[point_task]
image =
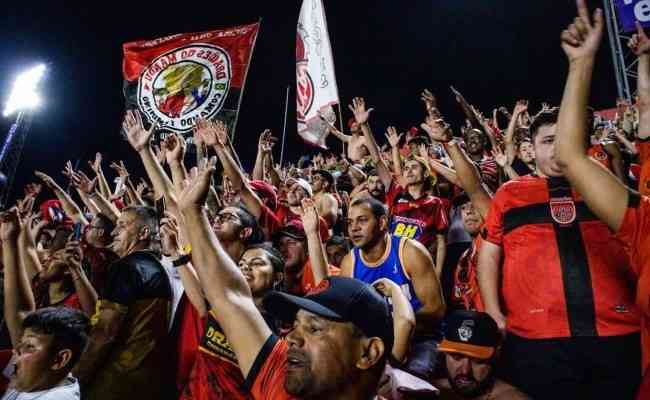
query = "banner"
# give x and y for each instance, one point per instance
(316, 89)
(630, 11)
(176, 79)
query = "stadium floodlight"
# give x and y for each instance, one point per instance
(24, 93)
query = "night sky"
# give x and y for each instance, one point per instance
(493, 51)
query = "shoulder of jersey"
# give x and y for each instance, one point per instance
(520, 182)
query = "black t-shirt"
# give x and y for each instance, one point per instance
(520, 167)
(136, 277)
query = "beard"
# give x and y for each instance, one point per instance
(474, 389)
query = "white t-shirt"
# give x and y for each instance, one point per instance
(68, 391)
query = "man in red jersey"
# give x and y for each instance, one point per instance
(340, 339)
(568, 306)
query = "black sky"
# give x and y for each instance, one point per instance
(493, 51)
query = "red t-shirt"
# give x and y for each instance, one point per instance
(191, 329)
(644, 160)
(635, 233)
(466, 293)
(215, 374)
(307, 282)
(266, 377)
(564, 273)
(285, 215)
(598, 153)
(420, 219)
(268, 221)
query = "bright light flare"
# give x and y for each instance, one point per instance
(24, 96)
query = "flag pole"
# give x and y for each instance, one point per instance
(284, 127)
(341, 125)
(241, 94)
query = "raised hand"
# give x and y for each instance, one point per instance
(120, 169)
(73, 256)
(393, 137)
(47, 180)
(520, 107)
(160, 152)
(96, 165)
(174, 148)
(500, 157)
(358, 108)
(437, 129)
(196, 187)
(423, 151)
(429, 101)
(33, 190)
(639, 43)
(136, 134)
(68, 171)
(10, 224)
(83, 183)
(582, 38)
(265, 142)
(169, 227)
(32, 227)
(385, 287)
(309, 216)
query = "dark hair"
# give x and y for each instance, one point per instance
(70, 329)
(249, 221)
(106, 224)
(146, 216)
(543, 119)
(377, 207)
(277, 261)
(337, 240)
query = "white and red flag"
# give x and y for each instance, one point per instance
(316, 89)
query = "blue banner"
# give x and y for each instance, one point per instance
(630, 11)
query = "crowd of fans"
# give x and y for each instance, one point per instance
(478, 263)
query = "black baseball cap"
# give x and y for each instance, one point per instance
(460, 199)
(339, 299)
(471, 333)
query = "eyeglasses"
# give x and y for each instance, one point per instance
(226, 217)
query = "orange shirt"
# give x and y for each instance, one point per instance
(307, 283)
(635, 233)
(266, 377)
(465, 293)
(564, 274)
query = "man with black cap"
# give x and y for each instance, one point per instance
(471, 348)
(323, 185)
(340, 338)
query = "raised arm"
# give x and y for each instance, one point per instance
(69, 206)
(215, 134)
(315, 248)
(27, 252)
(403, 317)
(509, 137)
(605, 195)
(361, 115)
(393, 139)
(223, 283)
(140, 140)
(175, 156)
(468, 176)
(18, 296)
(86, 188)
(96, 166)
(189, 278)
(264, 146)
(85, 290)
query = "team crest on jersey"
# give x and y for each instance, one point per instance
(600, 156)
(563, 210)
(465, 331)
(184, 84)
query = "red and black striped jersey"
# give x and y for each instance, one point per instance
(564, 272)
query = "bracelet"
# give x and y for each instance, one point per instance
(182, 260)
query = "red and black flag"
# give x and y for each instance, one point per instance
(176, 79)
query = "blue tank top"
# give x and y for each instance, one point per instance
(389, 267)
